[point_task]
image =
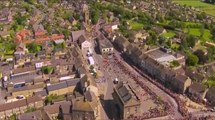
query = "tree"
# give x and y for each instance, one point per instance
(66, 33)
(26, 6)
(49, 98)
(192, 60)
(31, 1)
(30, 109)
(20, 20)
(34, 47)
(191, 41)
(152, 39)
(213, 32)
(47, 69)
(12, 117)
(211, 53)
(201, 55)
(202, 31)
(174, 63)
(94, 15)
(161, 40)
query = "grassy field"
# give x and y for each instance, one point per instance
(196, 32)
(135, 25)
(208, 8)
(168, 34)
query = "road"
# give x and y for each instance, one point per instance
(159, 92)
(111, 76)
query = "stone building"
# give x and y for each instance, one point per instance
(126, 101)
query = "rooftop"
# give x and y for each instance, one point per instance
(57, 86)
(161, 56)
(79, 104)
(197, 87)
(36, 115)
(126, 94)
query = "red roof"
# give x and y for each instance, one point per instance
(20, 36)
(46, 38)
(39, 33)
(56, 36)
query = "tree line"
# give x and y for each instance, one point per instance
(210, 1)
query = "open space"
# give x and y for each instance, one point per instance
(208, 8)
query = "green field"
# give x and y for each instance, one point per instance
(196, 32)
(169, 34)
(208, 8)
(135, 25)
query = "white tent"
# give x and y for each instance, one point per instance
(91, 60)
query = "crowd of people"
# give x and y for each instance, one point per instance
(153, 112)
(181, 104)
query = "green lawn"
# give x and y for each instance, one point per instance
(192, 24)
(208, 8)
(175, 46)
(196, 32)
(135, 25)
(169, 34)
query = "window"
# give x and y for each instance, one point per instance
(136, 109)
(128, 111)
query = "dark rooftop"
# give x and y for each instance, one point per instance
(57, 86)
(126, 94)
(36, 115)
(42, 93)
(197, 87)
(72, 82)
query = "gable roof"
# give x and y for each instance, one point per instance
(78, 104)
(197, 87)
(81, 39)
(34, 99)
(12, 105)
(126, 94)
(77, 34)
(72, 82)
(41, 93)
(57, 86)
(36, 115)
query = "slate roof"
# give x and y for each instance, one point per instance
(34, 99)
(122, 40)
(181, 78)
(126, 94)
(210, 96)
(19, 103)
(79, 104)
(12, 105)
(42, 93)
(105, 43)
(29, 87)
(36, 115)
(72, 82)
(197, 87)
(57, 86)
(77, 34)
(81, 39)
(25, 69)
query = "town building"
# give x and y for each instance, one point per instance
(120, 42)
(81, 109)
(20, 106)
(210, 96)
(197, 91)
(83, 43)
(105, 46)
(62, 88)
(126, 100)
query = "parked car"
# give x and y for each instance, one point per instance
(19, 97)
